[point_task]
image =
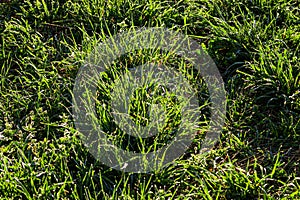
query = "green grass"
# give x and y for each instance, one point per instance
(255, 45)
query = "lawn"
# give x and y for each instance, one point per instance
(256, 47)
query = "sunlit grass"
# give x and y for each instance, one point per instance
(255, 45)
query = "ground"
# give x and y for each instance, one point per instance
(255, 45)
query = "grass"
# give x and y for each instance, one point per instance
(255, 45)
